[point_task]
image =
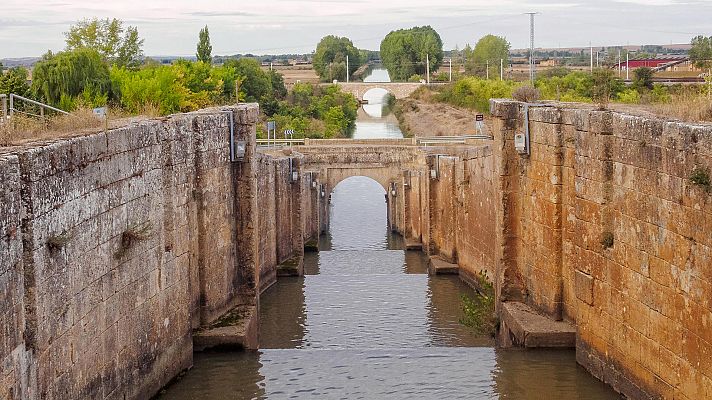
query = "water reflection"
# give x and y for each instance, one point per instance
(374, 119)
(377, 74)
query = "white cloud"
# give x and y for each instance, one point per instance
(170, 27)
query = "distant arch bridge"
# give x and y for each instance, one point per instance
(399, 90)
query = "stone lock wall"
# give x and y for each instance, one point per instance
(608, 230)
(283, 206)
(115, 246)
(15, 360)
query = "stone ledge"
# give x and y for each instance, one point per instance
(523, 327)
(413, 245)
(438, 266)
(236, 329)
(311, 246)
(292, 267)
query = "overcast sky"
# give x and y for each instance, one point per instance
(170, 27)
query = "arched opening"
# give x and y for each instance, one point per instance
(358, 216)
(375, 119)
(376, 100)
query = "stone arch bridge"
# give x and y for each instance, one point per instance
(387, 161)
(399, 90)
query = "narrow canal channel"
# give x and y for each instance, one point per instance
(367, 322)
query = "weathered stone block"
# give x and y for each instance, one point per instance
(584, 287)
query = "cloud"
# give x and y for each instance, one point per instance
(171, 26)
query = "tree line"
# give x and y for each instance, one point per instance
(103, 64)
(406, 54)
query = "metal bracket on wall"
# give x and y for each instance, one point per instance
(435, 172)
(522, 141)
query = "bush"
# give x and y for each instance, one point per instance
(576, 86)
(475, 93)
(643, 78)
(605, 87)
(526, 94)
(629, 96)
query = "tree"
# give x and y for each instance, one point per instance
(58, 79)
(14, 81)
(330, 58)
(109, 38)
(643, 78)
(256, 84)
(605, 86)
(490, 50)
(205, 49)
(404, 52)
(701, 56)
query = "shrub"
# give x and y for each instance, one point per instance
(479, 311)
(475, 93)
(701, 177)
(526, 94)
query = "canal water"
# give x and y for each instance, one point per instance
(368, 322)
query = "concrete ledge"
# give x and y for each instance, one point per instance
(311, 246)
(413, 245)
(521, 326)
(292, 267)
(237, 329)
(438, 266)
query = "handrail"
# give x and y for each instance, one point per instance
(37, 103)
(3, 97)
(418, 140)
(280, 142)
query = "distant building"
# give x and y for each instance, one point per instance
(663, 63)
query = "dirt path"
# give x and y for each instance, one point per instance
(421, 117)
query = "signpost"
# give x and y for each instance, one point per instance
(103, 112)
(480, 123)
(290, 133)
(272, 129)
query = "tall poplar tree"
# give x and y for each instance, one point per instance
(205, 49)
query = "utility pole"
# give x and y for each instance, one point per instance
(619, 62)
(270, 65)
(532, 63)
(501, 69)
(450, 69)
(427, 67)
(627, 67)
(591, 57)
(487, 69)
(347, 68)
(597, 62)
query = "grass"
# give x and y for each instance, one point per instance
(23, 128)
(479, 311)
(701, 177)
(693, 108)
(607, 240)
(58, 242)
(133, 235)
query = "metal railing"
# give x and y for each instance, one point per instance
(280, 142)
(417, 141)
(12, 110)
(442, 140)
(3, 99)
